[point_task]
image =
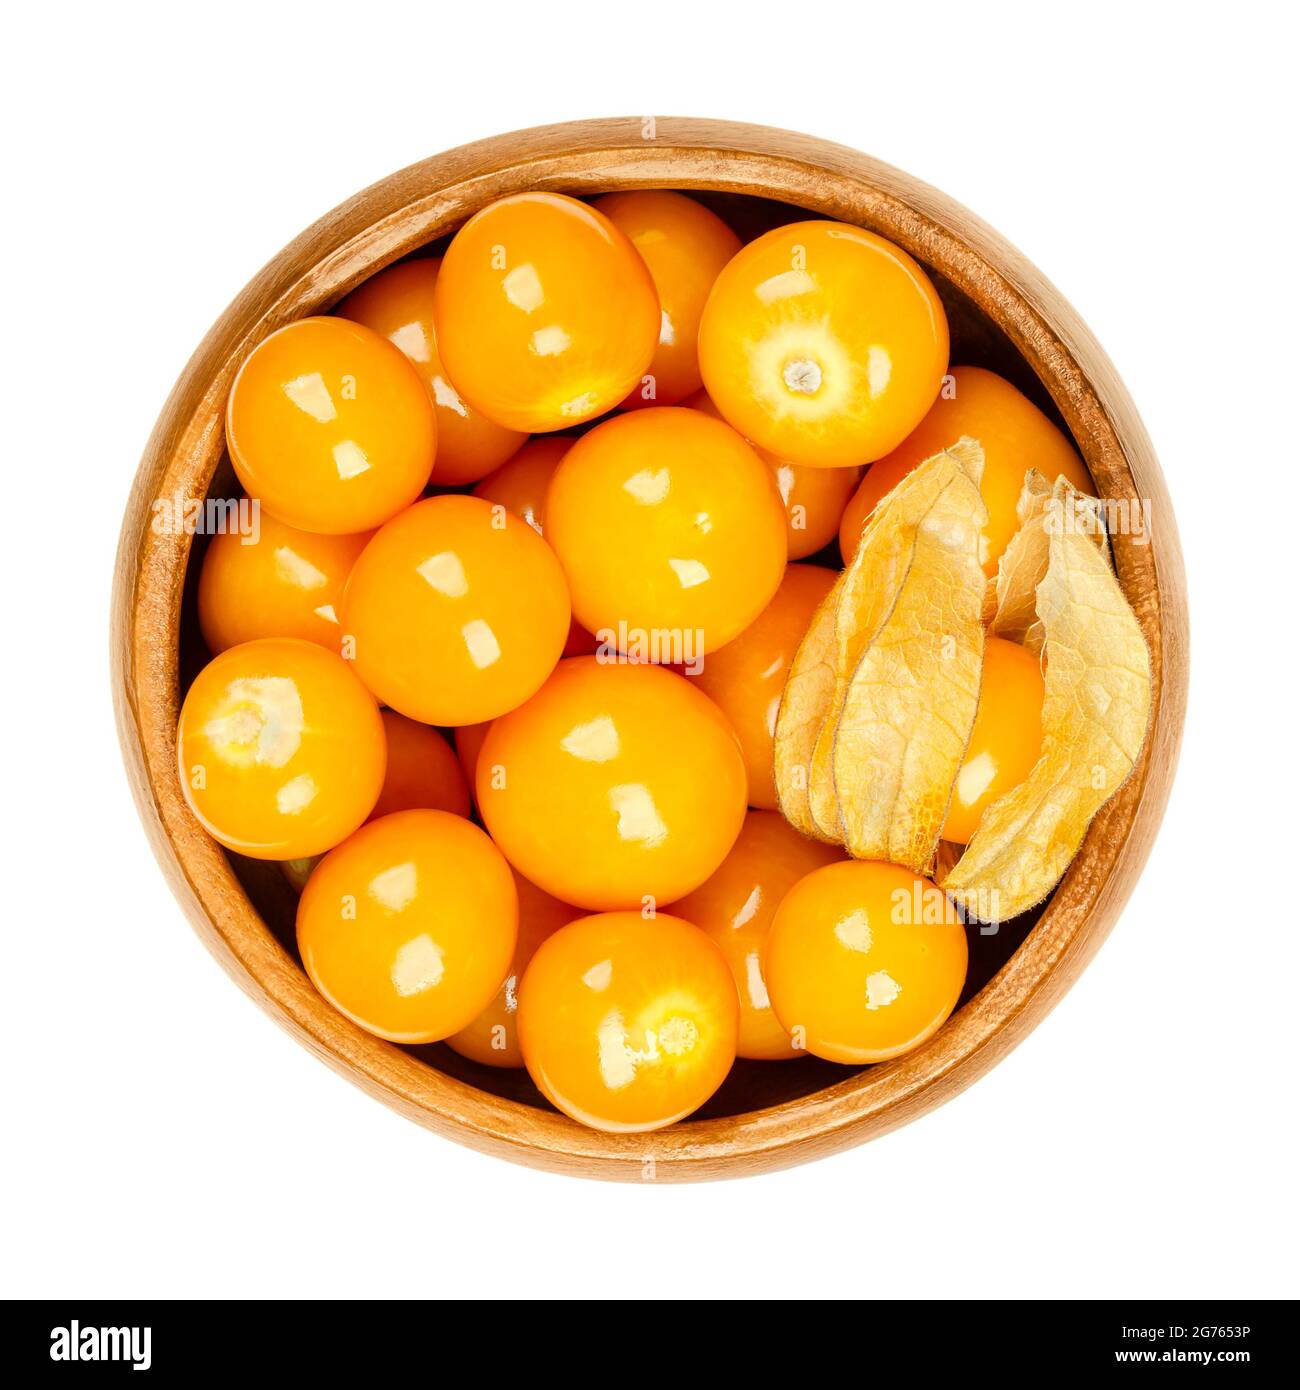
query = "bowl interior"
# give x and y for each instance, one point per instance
(977, 341)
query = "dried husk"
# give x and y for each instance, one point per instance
(1096, 707)
(910, 702)
(884, 557)
(804, 703)
(1011, 601)
(841, 629)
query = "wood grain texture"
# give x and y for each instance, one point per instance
(428, 200)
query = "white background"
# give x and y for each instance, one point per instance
(162, 1137)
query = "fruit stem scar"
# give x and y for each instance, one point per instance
(802, 376)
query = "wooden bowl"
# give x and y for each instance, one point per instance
(1003, 313)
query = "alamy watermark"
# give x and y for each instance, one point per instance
(78, 1343)
(1095, 516)
(179, 515)
(660, 646)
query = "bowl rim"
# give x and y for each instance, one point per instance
(415, 206)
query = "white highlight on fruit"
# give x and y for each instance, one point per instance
(784, 286)
(417, 967)
(260, 720)
(854, 931)
(296, 795)
(481, 644)
(649, 487)
(638, 816)
(550, 341)
(523, 288)
(310, 394)
(690, 573)
(296, 569)
(581, 405)
(975, 778)
(619, 1060)
(880, 367)
(594, 742)
(445, 574)
(748, 908)
(882, 990)
(395, 888)
(448, 397)
(413, 341)
(755, 984)
(350, 459)
(598, 978)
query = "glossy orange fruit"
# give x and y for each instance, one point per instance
(284, 583)
(398, 303)
(666, 521)
(330, 427)
(628, 1024)
(1007, 737)
(864, 961)
(423, 770)
(615, 785)
(493, 1038)
(1015, 436)
(685, 246)
(281, 749)
(456, 612)
(735, 907)
(545, 314)
(823, 343)
(814, 498)
(408, 927)
(746, 677)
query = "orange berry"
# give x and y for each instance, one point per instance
(330, 427)
(685, 246)
(1007, 737)
(286, 583)
(423, 771)
(746, 677)
(1015, 436)
(546, 315)
(864, 961)
(281, 749)
(814, 498)
(493, 1038)
(628, 1024)
(824, 343)
(666, 521)
(613, 785)
(735, 907)
(398, 303)
(408, 927)
(457, 613)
